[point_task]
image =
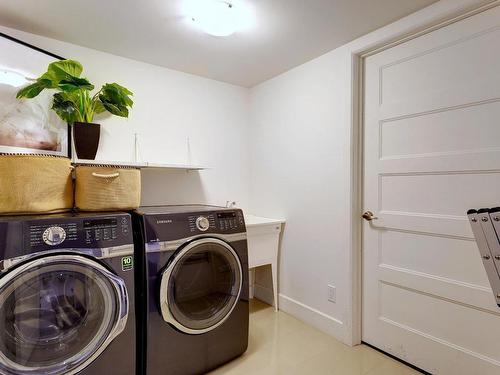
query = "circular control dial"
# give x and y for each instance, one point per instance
(54, 236)
(202, 223)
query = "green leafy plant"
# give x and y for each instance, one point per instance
(73, 101)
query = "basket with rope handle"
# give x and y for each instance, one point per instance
(107, 188)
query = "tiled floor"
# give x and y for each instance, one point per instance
(281, 344)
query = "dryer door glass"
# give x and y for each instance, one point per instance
(202, 286)
(56, 314)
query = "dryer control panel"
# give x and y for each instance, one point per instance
(201, 223)
(170, 226)
(224, 221)
(230, 220)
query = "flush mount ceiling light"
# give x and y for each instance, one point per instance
(218, 17)
(8, 77)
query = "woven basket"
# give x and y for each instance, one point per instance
(104, 188)
(35, 184)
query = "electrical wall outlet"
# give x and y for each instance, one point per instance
(332, 293)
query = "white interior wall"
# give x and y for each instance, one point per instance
(170, 106)
(294, 131)
(301, 170)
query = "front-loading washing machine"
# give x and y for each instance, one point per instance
(67, 295)
(194, 314)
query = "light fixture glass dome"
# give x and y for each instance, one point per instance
(218, 17)
(11, 78)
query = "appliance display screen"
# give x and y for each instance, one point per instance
(100, 223)
(226, 215)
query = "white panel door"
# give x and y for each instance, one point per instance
(432, 151)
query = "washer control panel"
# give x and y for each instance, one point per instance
(71, 232)
(106, 229)
(54, 235)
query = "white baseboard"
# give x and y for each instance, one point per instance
(264, 294)
(309, 315)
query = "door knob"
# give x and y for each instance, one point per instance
(369, 216)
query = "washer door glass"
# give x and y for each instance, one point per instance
(56, 314)
(202, 286)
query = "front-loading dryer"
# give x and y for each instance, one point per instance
(67, 295)
(195, 302)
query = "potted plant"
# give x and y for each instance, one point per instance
(74, 103)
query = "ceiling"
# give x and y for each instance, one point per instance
(287, 32)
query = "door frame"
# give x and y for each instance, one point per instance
(451, 13)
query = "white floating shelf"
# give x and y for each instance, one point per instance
(141, 164)
(132, 164)
(189, 167)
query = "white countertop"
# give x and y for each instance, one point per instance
(252, 220)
